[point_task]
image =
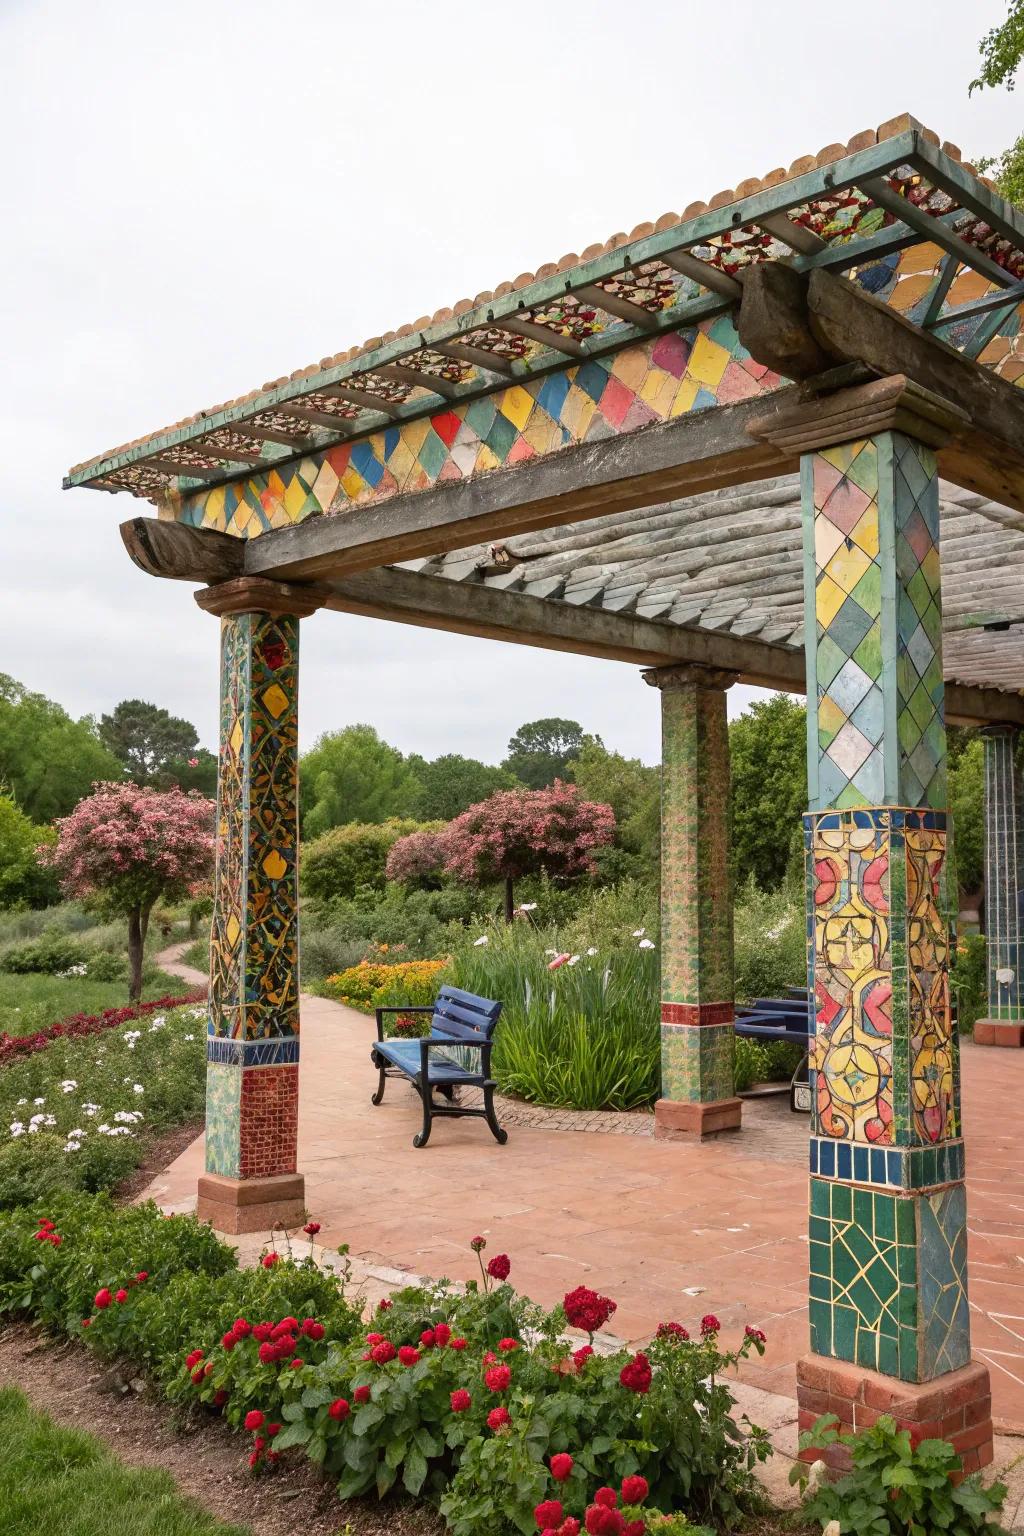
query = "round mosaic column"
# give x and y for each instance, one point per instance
(697, 1001)
(889, 1314)
(252, 1076)
(1004, 889)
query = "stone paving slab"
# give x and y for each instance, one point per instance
(667, 1229)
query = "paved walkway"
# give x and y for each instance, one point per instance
(669, 1230)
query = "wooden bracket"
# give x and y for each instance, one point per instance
(895, 404)
(255, 594)
(689, 675)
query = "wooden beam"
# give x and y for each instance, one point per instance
(480, 357)
(547, 337)
(419, 379)
(699, 451)
(182, 553)
(926, 224)
(612, 304)
(797, 236)
(704, 273)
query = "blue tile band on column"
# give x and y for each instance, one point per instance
(252, 1053)
(890, 1167)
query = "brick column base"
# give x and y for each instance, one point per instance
(956, 1407)
(680, 1120)
(234, 1206)
(999, 1032)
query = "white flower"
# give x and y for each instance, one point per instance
(591, 950)
(137, 1088)
(483, 939)
(551, 951)
(189, 1037)
(21, 1102)
(17, 1129)
(38, 1101)
(90, 1109)
(74, 970)
(572, 959)
(645, 944)
(638, 933)
(75, 1133)
(104, 1130)
(527, 906)
(72, 1146)
(69, 1085)
(128, 1116)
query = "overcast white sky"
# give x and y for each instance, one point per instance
(203, 194)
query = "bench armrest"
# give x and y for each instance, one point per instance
(380, 1012)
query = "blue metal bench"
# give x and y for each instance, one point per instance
(786, 1019)
(461, 1023)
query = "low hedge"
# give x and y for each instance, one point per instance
(473, 1399)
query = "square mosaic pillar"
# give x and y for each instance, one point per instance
(1004, 889)
(888, 1302)
(697, 1002)
(252, 1074)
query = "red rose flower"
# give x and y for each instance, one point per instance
(581, 1356)
(672, 1331)
(490, 1358)
(267, 1352)
(755, 1334)
(220, 1398)
(478, 1244)
(296, 1365)
(198, 1375)
(709, 1324)
(240, 1328)
(86, 1321)
(208, 1368)
(262, 1331)
(634, 1528)
(272, 1430)
(121, 1295)
(384, 1305)
(508, 1345)
(314, 1331)
(548, 1515)
(254, 1419)
(442, 1335)
(459, 1344)
(607, 1497)
(192, 1360)
(561, 1467)
(586, 1310)
(361, 1395)
(45, 1224)
(634, 1490)
(339, 1410)
(408, 1356)
(383, 1352)
(254, 1459)
(428, 1338)
(102, 1299)
(637, 1375)
(498, 1378)
(460, 1400)
(259, 1443)
(269, 1260)
(142, 1275)
(498, 1418)
(603, 1521)
(311, 1228)
(570, 1526)
(286, 1325)
(500, 1267)
(374, 1338)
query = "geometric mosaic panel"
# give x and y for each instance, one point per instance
(1004, 873)
(876, 732)
(697, 1062)
(652, 381)
(888, 1279)
(884, 1056)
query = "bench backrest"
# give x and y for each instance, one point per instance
(463, 1015)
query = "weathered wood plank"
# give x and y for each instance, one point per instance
(181, 553)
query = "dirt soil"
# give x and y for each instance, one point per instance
(160, 1153)
(143, 1430)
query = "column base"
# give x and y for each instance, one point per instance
(234, 1206)
(677, 1120)
(956, 1407)
(1008, 1032)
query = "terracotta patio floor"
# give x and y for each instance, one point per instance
(668, 1230)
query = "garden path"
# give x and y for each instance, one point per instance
(668, 1229)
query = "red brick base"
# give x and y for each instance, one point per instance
(956, 1407)
(675, 1120)
(999, 1032)
(251, 1205)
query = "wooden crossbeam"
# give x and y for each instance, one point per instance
(926, 224)
(704, 273)
(480, 357)
(365, 399)
(544, 334)
(419, 378)
(592, 293)
(797, 236)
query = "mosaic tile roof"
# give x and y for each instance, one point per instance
(893, 209)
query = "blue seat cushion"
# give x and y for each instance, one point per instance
(405, 1054)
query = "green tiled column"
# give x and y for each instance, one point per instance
(697, 1001)
(888, 1235)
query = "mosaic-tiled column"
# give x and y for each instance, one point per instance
(888, 1234)
(697, 1001)
(1004, 889)
(252, 1074)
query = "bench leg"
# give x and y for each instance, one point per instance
(499, 1135)
(378, 1096)
(422, 1137)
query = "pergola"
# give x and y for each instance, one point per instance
(774, 439)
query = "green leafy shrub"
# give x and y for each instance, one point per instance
(770, 941)
(763, 1061)
(895, 1486)
(51, 953)
(968, 980)
(352, 858)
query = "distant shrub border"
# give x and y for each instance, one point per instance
(79, 1024)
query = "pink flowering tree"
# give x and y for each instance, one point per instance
(519, 832)
(127, 847)
(420, 856)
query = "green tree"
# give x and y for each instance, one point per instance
(967, 804)
(633, 790)
(768, 753)
(450, 784)
(147, 739)
(352, 775)
(351, 858)
(23, 881)
(1001, 51)
(540, 751)
(47, 760)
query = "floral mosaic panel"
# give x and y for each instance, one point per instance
(653, 381)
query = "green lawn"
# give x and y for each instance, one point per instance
(64, 1481)
(28, 1003)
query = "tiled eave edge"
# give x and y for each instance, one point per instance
(908, 148)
